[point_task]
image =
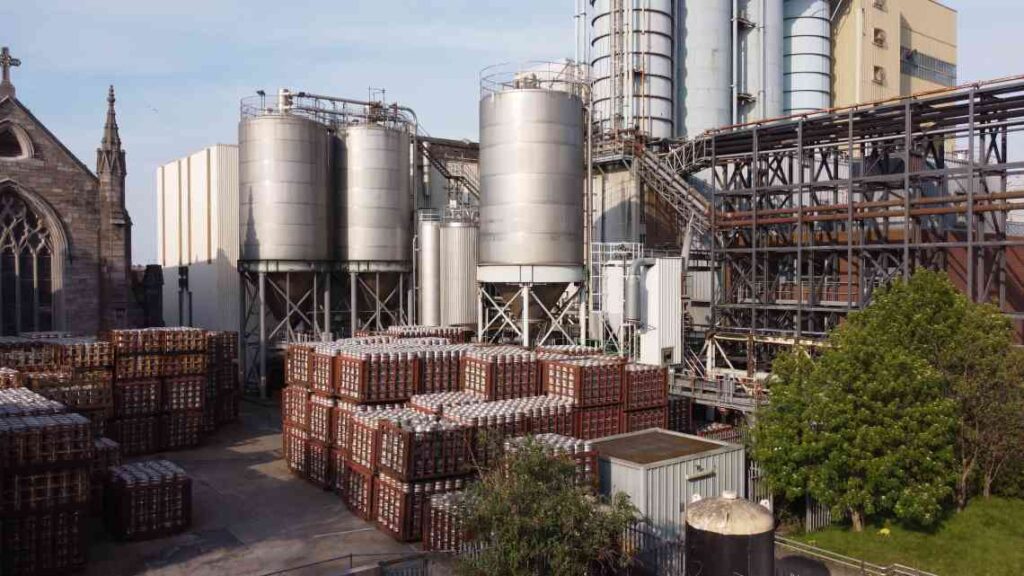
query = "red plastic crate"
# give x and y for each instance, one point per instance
(136, 435)
(357, 490)
(645, 386)
(680, 414)
(147, 500)
(364, 444)
(400, 507)
(497, 379)
(295, 407)
(44, 491)
(184, 393)
(295, 444)
(135, 398)
(321, 418)
(637, 420)
(409, 455)
(597, 422)
(297, 365)
(181, 430)
(588, 382)
(318, 464)
(45, 442)
(50, 543)
(375, 378)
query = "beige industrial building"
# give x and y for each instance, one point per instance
(197, 238)
(889, 48)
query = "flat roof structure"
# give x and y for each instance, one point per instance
(654, 445)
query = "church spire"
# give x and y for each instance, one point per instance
(110, 156)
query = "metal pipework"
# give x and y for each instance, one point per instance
(633, 313)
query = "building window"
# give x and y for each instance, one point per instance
(879, 75)
(880, 4)
(879, 37)
(925, 67)
(26, 268)
(14, 143)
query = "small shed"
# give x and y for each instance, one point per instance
(662, 470)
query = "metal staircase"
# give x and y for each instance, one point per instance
(690, 205)
(461, 178)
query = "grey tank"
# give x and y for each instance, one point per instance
(458, 273)
(429, 266)
(374, 214)
(284, 189)
(531, 178)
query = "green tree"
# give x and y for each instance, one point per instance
(1003, 450)
(529, 517)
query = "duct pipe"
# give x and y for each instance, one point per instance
(634, 298)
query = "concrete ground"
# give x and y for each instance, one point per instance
(251, 516)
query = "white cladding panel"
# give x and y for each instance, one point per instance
(211, 301)
(661, 341)
(198, 207)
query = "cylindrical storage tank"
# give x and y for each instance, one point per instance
(762, 60)
(428, 268)
(808, 56)
(705, 79)
(729, 536)
(374, 191)
(531, 178)
(284, 206)
(647, 101)
(458, 273)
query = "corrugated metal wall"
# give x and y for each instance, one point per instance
(662, 491)
(663, 315)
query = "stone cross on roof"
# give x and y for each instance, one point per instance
(6, 62)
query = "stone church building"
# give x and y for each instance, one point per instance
(65, 235)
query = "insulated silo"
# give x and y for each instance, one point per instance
(458, 273)
(762, 55)
(632, 61)
(284, 190)
(705, 77)
(428, 267)
(808, 56)
(531, 178)
(374, 196)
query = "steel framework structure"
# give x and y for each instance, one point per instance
(811, 214)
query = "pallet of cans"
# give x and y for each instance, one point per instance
(24, 402)
(453, 334)
(321, 418)
(680, 414)
(589, 382)
(579, 452)
(107, 454)
(10, 378)
(364, 433)
(26, 354)
(596, 422)
(376, 374)
(355, 486)
(83, 354)
(137, 436)
(322, 378)
(439, 402)
(183, 393)
(49, 543)
(295, 443)
(645, 386)
(295, 406)
(415, 446)
(721, 431)
(85, 390)
(341, 420)
(134, 398)
(146, 500)
(400, 507)
(297, 364)
(644, 418)
(444, 525)
(45, 441)
(180, 430)
(491, 423)
(318, 464)
(500, 373)
(439, 368)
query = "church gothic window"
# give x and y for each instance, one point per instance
(26, 265)
(14, 143)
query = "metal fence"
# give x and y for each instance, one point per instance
(851, 565)
(652, 554)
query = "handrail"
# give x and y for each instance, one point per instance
(865, 568)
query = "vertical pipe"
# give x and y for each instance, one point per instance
(327, 306)
(479, 313)
(35, 293)
(849, 218)
(263, 335)
(17, 292)
(525, 293)
(735, 105)
(908, 143)
(243, 327)
(314, 313)
(970, 198)
(376, 299)
(353, 303)
(401, 299)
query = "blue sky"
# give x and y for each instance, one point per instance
(181, 66)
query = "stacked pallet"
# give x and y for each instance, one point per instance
(644, 398)
(577, 451)
(595, 387)
(491, 423)
(45, 460)
(9, 378)
(500, 373)
(452, 333)
(680, 414)
(720, 431)
(444, 525)
(107, 454)
(147, 500)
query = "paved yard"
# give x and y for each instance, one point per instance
(250, 516)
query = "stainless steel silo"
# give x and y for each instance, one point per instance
(428, 268)
(632, 35)
(284, 189)
(808, 56)
(458, 273)
(374, 195)
(761, 52)
(531, 178)
(706, 66)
